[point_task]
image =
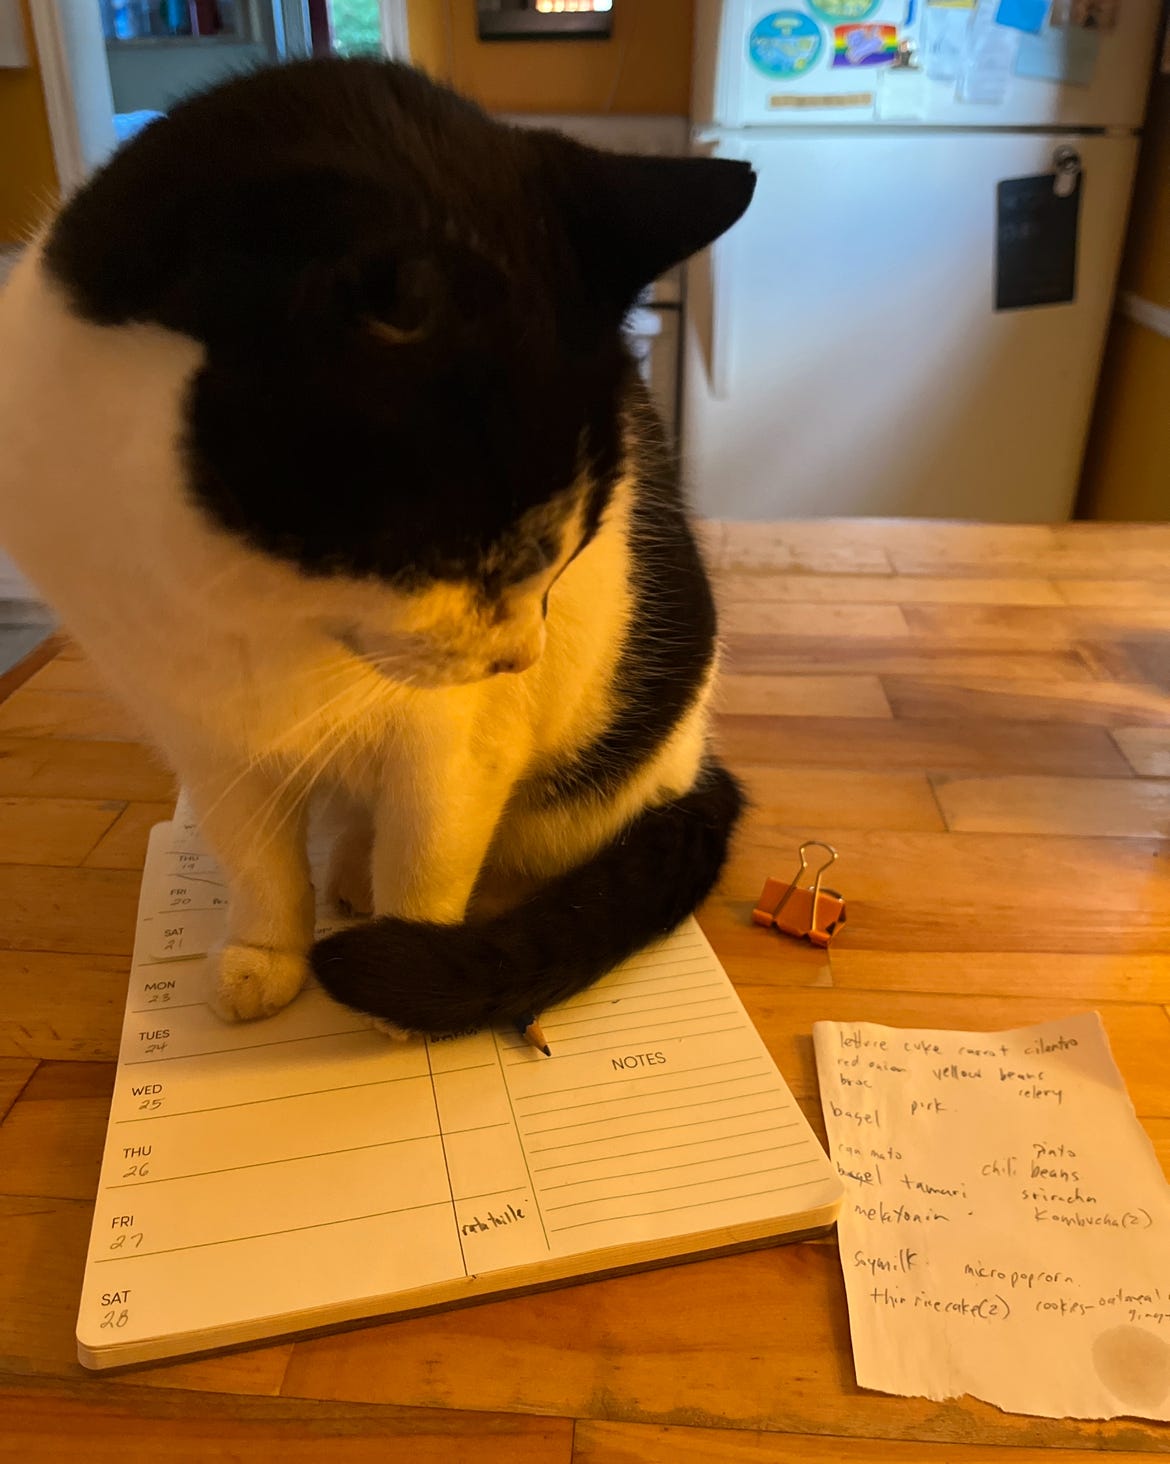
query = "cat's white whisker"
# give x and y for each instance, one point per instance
(268, 753)
(313, 760)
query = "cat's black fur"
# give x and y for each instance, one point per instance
(412, 320)
(671, 637)
(290, 208)
(442, 978)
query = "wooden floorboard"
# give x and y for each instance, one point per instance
(64, 1005)
(54, 831)
(41, 654)
(120, 1424)
(1146, 748)
(33, 713)
(765, 586)
(1123, 808)
(637, 1443)
(945, 744)
(87, 768)
(1102, 703)
(15, 1074)
(976, 716)
(123, 844)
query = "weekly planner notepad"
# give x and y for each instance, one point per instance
(306, 1171)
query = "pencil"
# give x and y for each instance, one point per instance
(529, 1029)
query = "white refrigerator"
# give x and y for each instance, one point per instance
(910, 317)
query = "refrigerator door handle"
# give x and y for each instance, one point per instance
(720, 365)
(1066, 163)
(709, 315)
(712, 281)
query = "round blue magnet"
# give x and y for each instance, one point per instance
(785, 44)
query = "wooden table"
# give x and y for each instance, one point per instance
(978, 717)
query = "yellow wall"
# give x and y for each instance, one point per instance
(1127, 468)
(644, 67)
(1146, 270)
(28, 175)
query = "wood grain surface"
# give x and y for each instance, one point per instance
(977, 716)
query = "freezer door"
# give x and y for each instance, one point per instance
(844, 354)
(817, 63)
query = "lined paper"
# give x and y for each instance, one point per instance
(281, 1173)
(622, 1154)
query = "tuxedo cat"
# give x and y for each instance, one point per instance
(318, 428)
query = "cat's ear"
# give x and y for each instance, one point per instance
(632, 218)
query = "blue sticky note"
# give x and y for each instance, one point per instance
(1022, 15)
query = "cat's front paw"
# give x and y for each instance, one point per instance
(255, 981)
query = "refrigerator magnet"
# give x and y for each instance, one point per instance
(789, 101)
(785, 44)
(1037, 220)
(1022, 15)
(865, 45)
(835, 10)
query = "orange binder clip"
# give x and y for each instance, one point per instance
(809, 912)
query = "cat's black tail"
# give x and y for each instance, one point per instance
(443, 978)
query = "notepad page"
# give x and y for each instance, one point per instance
(307, 1164)
(662, 1112)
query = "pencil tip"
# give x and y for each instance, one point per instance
(546, 1050)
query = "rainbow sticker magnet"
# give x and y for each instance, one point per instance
(865, 45)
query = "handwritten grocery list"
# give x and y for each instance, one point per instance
(1006, 1225)
(299, 1166)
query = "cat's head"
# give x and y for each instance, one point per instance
(414, 384)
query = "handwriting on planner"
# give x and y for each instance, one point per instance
(489, 1220)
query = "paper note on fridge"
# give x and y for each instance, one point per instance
(1006, 1225)
(989, 53)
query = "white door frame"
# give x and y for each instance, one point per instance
(395, 30)
(76, 82)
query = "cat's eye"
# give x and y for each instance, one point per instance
(396, 335)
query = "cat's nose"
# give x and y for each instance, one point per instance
(519, 654)
(515, 661)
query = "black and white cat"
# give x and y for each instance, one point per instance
(317, 426)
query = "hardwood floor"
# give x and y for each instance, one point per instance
(978, 717)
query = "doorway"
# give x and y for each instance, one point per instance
(110, 67)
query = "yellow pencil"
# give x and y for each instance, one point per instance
(529, 1029)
